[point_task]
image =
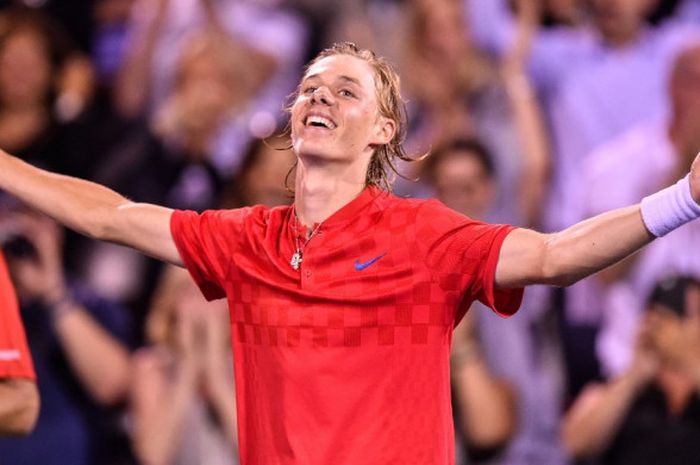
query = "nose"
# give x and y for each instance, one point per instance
(322, 95)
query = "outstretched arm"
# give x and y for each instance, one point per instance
(91, 209)
(529, 257)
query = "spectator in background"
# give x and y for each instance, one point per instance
(463, 176)
(169, 160)
(640, 161)
(19, 398)
(596, 80)
(269, 44)
(511, 369)
(562, 13)
(455, 90)
(437, 40)
(109, 47)
(525, 350)
(42, 86)
(81, 361)
(650, 413)
(181, 403)
(263, 178)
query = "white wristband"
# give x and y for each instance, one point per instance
(669, 208)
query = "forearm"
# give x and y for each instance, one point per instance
(486, 404)
(19, 406)
(159, 424)
(223, 399)
(100, 361)
(594, 420)
(560, 259)
(594, 244)
(81, 205)
(91, 209)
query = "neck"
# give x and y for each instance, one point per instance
(320, 191)
(621, 38)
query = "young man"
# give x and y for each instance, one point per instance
(19, 397)
(342, 306)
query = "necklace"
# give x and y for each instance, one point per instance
(297, 256)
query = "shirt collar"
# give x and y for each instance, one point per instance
(355, 206)
(348, 212)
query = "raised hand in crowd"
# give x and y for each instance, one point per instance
(100, 360)
(182, 393)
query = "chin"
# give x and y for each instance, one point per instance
(314, 149)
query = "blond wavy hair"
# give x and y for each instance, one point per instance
(382, 170)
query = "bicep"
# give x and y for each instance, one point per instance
(145, 227)
(521, 259)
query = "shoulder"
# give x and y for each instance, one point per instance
(235, 216)
(389, 201)
(400, 209)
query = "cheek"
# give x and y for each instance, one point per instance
(295, 116)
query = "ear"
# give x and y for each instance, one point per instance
(384, 130)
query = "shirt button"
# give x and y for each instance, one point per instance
(307, 273)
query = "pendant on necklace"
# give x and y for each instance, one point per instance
(296, 260)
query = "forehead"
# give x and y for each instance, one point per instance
(338, 67)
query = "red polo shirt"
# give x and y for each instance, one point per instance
(345, 361)
(15, 361)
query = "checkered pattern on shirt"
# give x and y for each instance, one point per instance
(336, 365)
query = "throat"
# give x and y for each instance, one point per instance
(320, 193)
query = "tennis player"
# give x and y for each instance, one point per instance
(342, 305)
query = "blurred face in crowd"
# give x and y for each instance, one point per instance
(205, 86)
(620, 20)
(685, 90)
(564, 11)
(25, 69)
(675, 334)
(441, 27)
(463, 184)
(335, 116)
(264, 180)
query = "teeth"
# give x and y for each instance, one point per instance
(320, 120)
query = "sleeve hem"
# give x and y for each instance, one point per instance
(210, 291)
(504, 302)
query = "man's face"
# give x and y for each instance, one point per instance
(335, 116)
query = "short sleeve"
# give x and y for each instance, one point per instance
(206, 243)
(463, 254)
(15, 359)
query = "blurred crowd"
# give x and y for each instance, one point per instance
(537, 113)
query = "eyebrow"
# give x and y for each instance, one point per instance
(342, 78)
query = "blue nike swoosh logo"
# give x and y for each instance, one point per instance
(359, 266)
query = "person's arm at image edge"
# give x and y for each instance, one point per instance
(91, 209)
(19, 406)
(562, 258)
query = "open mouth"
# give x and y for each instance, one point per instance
(319, 122)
